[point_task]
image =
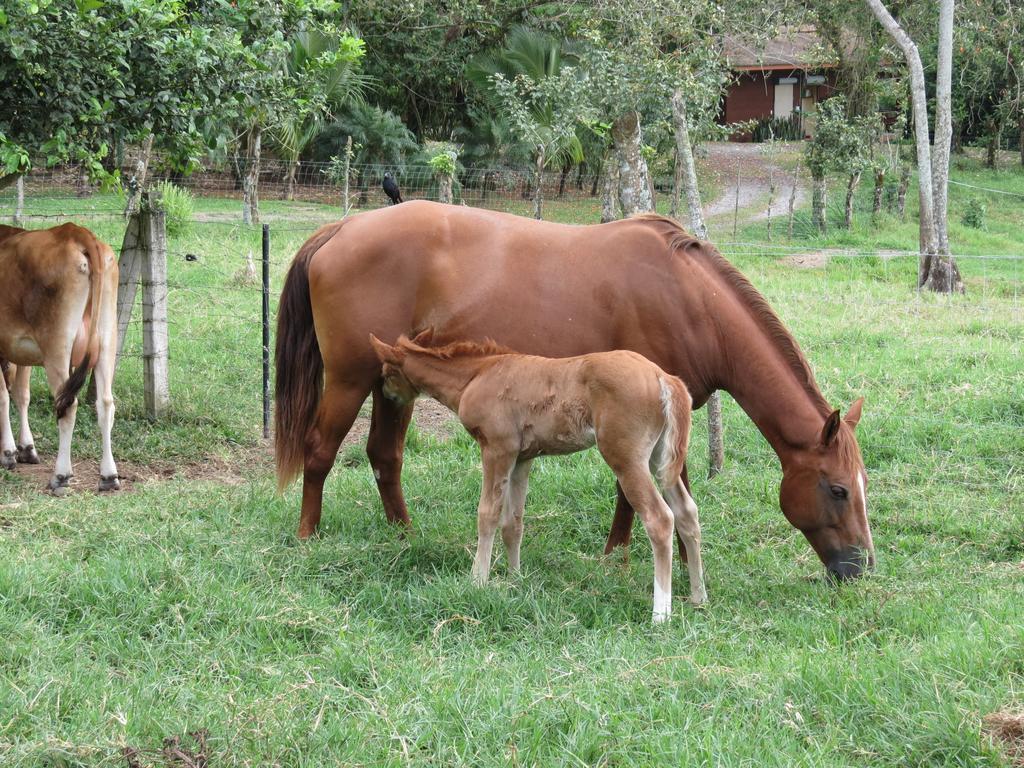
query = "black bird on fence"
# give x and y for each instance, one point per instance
(391, 189)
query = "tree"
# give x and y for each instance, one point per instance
(341, 83)
(543, 98)
(938, 270)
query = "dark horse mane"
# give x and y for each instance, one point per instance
(485, 348)
(681, 241)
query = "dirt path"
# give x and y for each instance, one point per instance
(723, 159)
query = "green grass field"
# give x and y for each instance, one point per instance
(187, 603)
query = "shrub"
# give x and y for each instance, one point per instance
(781, 128)
(179, 206)
(974, 214)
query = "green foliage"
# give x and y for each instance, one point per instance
(179, 207)
(840, 144)
(778, 128)
(443, 162)
(974, 213)
(379, 138)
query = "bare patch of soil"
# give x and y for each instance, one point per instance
(815, 260)
(1007, 728)
(429, 416)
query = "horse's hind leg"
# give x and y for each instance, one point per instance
(657, 519)
(8, 451)
(56, 374)
(688, 530)
(338, 409)
(22, 395)
(384, 446)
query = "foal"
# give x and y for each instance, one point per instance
(518, 407)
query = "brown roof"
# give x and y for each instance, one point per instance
(794, 48)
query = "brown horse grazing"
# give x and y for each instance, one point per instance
(555, 290)
(57, 309)
(519, 407)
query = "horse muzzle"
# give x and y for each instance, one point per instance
(849, 563)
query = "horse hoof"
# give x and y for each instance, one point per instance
(109, 483)
(27, 454)
(7, 460)
(60, 485)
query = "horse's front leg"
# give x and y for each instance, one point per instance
(498, 466)
(384, 447)
(8, 452)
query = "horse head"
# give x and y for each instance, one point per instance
(824, 494)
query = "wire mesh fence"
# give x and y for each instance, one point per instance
(215, 294)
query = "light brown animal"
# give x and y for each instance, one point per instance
(57, 310)
(518, 407)
(557, 290)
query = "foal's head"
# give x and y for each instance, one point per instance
(824, 494)
(395, 384)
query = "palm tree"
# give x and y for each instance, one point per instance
(343, 84)
(535, 56)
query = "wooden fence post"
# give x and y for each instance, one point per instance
(154, 307)
(129, 267)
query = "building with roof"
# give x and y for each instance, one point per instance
(781, 80)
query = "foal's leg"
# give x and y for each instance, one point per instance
(498, 466)
(657, 519)
(384, 446)
(622, 525)
(8, 451)
(56, 374)
(22, 394)
(688, 531)
(338, 409)
(512, 515)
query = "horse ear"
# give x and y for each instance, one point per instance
(852, 416)
(424, 337)
(831, 429)
(385, 353)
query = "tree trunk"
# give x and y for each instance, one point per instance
(250, 184)
(137, 184)
(771, 198)
(289, 190)
(610, 197)
(919, 100)
(876, 201)
(792, 199)
(686, 168)
(995, 138)
(596, 181)
(634, 178)
(686, 177)
(538, 188)
(561, 179)
(851, 187)
(346, 205)
(444, 188)
(819, 201)
(19, 201)
(943, 125)
(579, 177)
(901, 190)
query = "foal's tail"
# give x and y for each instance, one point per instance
(676, 404)
(299, 364)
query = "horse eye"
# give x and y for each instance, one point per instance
(838, 492)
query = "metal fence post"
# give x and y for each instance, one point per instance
(266, 330)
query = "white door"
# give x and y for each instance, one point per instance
(783, 100)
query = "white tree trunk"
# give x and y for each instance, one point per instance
(919, 100)
(19, 201)
(686, 175)
(634, 178)
(686, 169)
(444, 188)
(538, 181)
(943, 124)
(141, 171)
(610, 192)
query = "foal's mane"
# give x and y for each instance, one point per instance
(485, 348)
(681, 241)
